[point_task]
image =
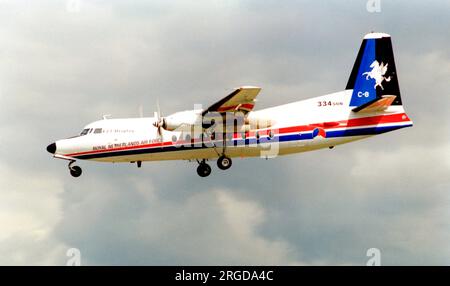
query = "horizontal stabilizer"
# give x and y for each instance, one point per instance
(376, 105)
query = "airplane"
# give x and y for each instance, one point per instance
(370, 105)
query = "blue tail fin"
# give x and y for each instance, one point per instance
(374, 73)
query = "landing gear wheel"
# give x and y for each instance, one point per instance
(75, 171)
(203, 170)
(224, 163)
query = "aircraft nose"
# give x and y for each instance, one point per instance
(51, 148)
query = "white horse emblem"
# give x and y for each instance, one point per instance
(377, 73)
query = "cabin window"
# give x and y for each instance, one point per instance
(174, 138)
(97, 130)
(271, 134)
(84, 132)
(257, 135)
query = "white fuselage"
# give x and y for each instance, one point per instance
(306, 125)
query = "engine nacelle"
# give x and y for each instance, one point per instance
(183, 119)
(188, 119)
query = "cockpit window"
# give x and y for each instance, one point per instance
(98, 130)
(84, 132)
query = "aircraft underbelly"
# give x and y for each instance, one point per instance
(263, 150)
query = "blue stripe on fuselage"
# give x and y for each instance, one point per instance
(249, 142)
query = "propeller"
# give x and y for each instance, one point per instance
(160, 122)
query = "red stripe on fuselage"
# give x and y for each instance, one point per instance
(353, 122)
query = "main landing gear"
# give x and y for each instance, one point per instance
(224, 162)
(204, 169)
(75, 171)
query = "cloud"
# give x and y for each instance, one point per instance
(323, 207)
(30, 208)
(137, 226)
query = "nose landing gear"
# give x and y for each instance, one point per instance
(75, 171)
(203, 169)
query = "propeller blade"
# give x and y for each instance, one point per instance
(159, 120)
(158, 108)
(156, 123)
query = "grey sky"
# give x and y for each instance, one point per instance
(60, 70)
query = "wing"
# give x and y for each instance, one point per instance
(241, 99)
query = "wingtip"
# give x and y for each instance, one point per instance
(248, 87)
(375, 35)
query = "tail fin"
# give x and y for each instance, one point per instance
(374, 74)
